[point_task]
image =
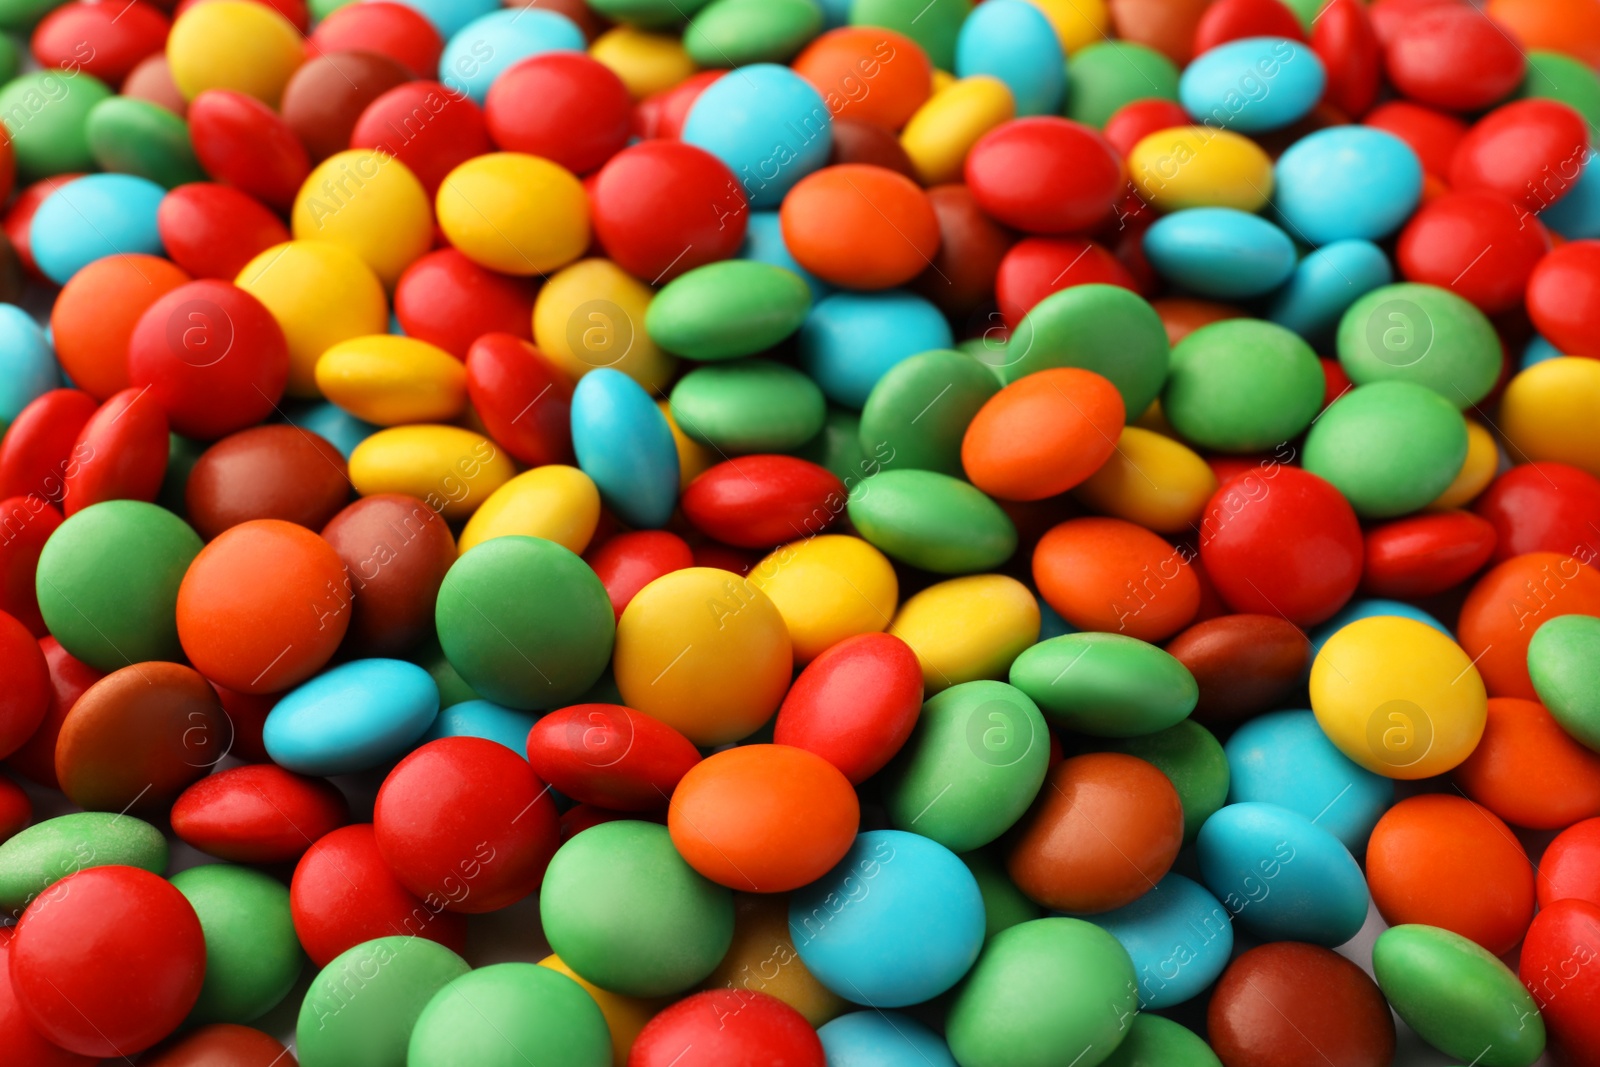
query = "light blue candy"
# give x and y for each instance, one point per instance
(1538, 350)
(882, 1039)
(1217, 251)
(27, 365)
(850, 340)
(1179, 937)
(1013, 41)
(1324, 285)
(1051, 624)
(768, 124)
(449, 17)
(1576, 216)
(625, 445)
(897, 922)
(1282, 877)
(481, 50)
(837, 12)
(763, 242)
(1253, 85)
(1366, 609)
(1284, 758)
(340, 428)
(1345, 182)
(354, 717)
(485, 719)
(94, 217)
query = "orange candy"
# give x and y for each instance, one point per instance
(1116, 577)
(1513, 600)
(860, 226)
(1043, 434)
(1183, 315)
(763, 818)
(1570, 26)
(1166, 25)
(1444, 861)
(95, 314)
(263, 607)
(868, 73)
(1105, 829)
(1529, 771)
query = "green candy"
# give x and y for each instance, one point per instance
(10, 58)
(1564, 663)
(525, 622)
(934, 24)
(838, 447)
(1004, 905)
(920, 409)
(1106, 685)
(1243, 385)
(108, 583)
(1458, 996)
(1554, 76)
(253, 957)
(511, 1015)
(1049, 993)
(732, 33)
(750, 405)
(623, 909)
(971, 767)
(1103, 328)
(36, 858)
(360, 1010)
(1195, 763)
(737, 307)
(182, 454)
(46, 113)
(132, 136)
(453, 689)
(1307, 11)
(1390, 447)
(648, 14)
(17, 15)
(321, 9)
(932, 521)
(1420, 333)
(1105, 76)
(1156, 1042)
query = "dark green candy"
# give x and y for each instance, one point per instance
(1103, 328)
(919, 411)
(1106, 685)
(932, 521)
(749, 405)
(1004, 905)
(133, 136)
(838, 447)
(253, 957)
(182, 454)
(649, 14)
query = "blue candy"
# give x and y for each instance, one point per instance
(850, 340)
(625, 444)
(763, 243)
(1253, 85)
(1013, 41)
(485, 719)
(93, 217)
(27, 364)
(882, 1039)
(481, 50)
(1346, 182)
(1576, 216)
(1217, 251)
(1366, 609)
(1326, 283)
(768, 124)
(354, 717)
(340, 428)
(450, 16)
(1179, 937)
(1537, 351)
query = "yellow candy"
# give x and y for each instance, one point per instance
(1077, 22)
(945, 128)
(762, 959)
(625, 1016)
(942, 80)
(1197, 166)
(369, 202)
(1398, 697)
(590, 315)
(452, 470)
(320, 294)
(694, 458)
(556, 502)
(827, 589)
(1477, 471)
(1551, 411)
(1152, 480)
(646, 62)
(968, 628)
(515, 213)
(705, 652)
(234, 44)
(1155, 420)
(389, 381)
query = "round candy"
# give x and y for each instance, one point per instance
(1507, 607)
(396, 976)
(1427, 554)
(1560, 665)
(1390, 333)
(1258, 83)
(858, 226)
(396, 30)
(266, 472)
(242, 1047)
(759, 501)
(1082, 568)
(357, 716)
(728, 309)
(1566, 1001)
(1105, 685)
(663, 208)
(242, 46)
(610, 756)
(369, 203)
(506, 1014)
(243, 142)
(121, 453)
(728, 1026)
(957, 382)
(932, 521)
(450, 469)
(769, 126)
(514, 213)
(1042, 434)
(1543, 410)
(628, 562)
(625, 445)
(867, 73)
(1015, 42)
(477, 53)
(1522, 749)
(389, 381)
(1244, 664)
(1288, 1003)
(1012, 166)
(1389, 447)
(556, 502)
(213, 230)
(1103, 328)
(1242, 386)
(41, 855)
(1192, 760)
(1559, 294)
(854, 705)
(565, 106)
(882, 1039)
(1325, 284)
(1347, 182)
(1220, 252)
(53, 136)
(851, 340)
(1178, 936)
(327, 94)
(258, 813)
(523, 399)
(28, 696)
(451, 129)
(1182, 166)
(940, 134)
(1534, 507)
(968, 628)
(751, 405)
(94, 217)
(91, 323)
(1453, 57)
(397, 551)
(828, 589)
(252, 957)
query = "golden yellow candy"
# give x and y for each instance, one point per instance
(827, 589)
(389, 381)
(590, 315)
(705, 652)
(945, 128)
(556, 502)
(1155, 420)
(1197, 166)
(1551, 411)
(625, 1016)
(646, 62)
(515, 213)
(1477, 470)
(1078, 22)
(320, 294)
(762, 959)
(694, 458)
(1159, 483)
(234, 44)
(942, 80)
(1398, 697)
(372, 204)
(450, 469)
(968, 628)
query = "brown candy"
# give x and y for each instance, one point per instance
(1166, 25)
(327, 94)
(397, 550)
(864, 142)
(266, 472)
(971, 246)
(1244, 664)
(152, 80)
(221, 1045)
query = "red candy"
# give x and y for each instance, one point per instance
(257, 814)
(105, 40)
(1035, 267)
(26, 695)
(1476, 244)
(17, 1035)
(1432, 135)
(121, 453)
(1233, 20)
(761, 501)
(389, 29)
(242, 142)
(1134, 122)
(628, 562)
(720, 1027)
(69, 679)
(36, 453)
(1425, 554)
(1542, 507)
(16, 811)
(426, 126)
(1451, 56)
(213, 230)
(396, 550)
(854, 705)
(1530, 152)
(447, 300)
(610, 756)
(662, 208)
(971, 246)
(1564, 298)
(1343, 38)
(1557, 964)
(523, 399)
(564, 106)
(1045, 175)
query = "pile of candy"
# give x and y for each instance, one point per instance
(872, 533)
